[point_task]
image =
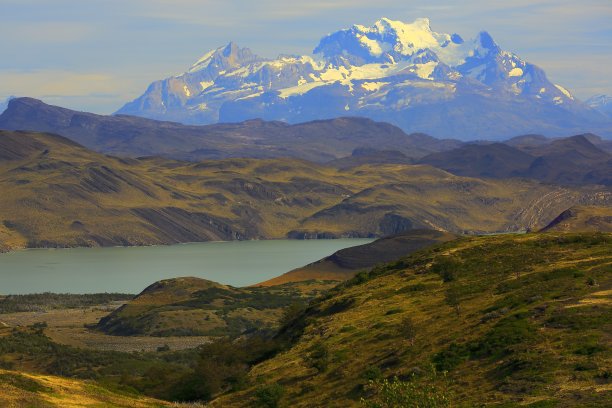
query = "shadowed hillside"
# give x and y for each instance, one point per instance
(132, 136)
(568, 161)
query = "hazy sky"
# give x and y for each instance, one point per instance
(95, 55)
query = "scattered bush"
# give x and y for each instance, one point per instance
(446, 267)
(407, 329)
(319, 357)
(372, 373)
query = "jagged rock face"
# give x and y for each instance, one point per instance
(403, 73)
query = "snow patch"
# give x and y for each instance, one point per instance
(299, 90)
(187, 91)
(515, 72)
(564, 91)
(206, 84)
(373, 86)
(202, 62)
(425, 70)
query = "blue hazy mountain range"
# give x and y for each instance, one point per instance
(401, 73)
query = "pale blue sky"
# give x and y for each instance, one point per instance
(95, 55)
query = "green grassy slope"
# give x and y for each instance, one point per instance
(56, 193)
(515, 320)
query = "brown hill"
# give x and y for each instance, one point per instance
(344, 264)
(582, 219)
(319, 141)
(198, 307)
(57, 194)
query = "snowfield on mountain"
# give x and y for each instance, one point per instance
(402, 73)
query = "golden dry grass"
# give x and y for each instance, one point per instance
(19, 390)
(536, 282)
(65, 195)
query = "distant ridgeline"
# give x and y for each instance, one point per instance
(342, 143)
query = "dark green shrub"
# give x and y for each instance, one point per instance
(447, 267)
(319, 357)
(450, 358)
(372, 373)
(269, 396)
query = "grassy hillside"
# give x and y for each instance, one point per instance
(56, 193)
(344, 264)
(582, 219)
(45, 391)
(198, 307)
(513, 320)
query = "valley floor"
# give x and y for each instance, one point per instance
(70, 327)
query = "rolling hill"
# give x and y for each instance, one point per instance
(582, 219)
(344, 264)
(59, 194)
(198, 307)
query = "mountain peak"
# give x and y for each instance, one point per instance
(386, 41)
(384, 24)
(602, 103)
(484, 45)
(227, 56)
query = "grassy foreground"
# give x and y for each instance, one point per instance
(501, 321)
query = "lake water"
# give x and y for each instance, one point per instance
(131, 269)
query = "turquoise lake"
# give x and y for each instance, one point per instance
(131, 269)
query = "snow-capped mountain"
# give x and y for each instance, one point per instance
(602, 103)
(403, 73)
